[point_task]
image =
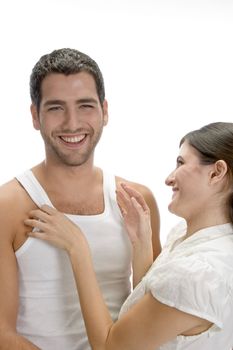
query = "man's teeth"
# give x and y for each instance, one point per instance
(73, 139)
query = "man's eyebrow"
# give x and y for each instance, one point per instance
(54, 102)
(79, 101)
(87, 100)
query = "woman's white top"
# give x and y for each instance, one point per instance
(195, 275)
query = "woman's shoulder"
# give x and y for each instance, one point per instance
(176, 232)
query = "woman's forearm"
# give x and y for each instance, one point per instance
(142, 261)
(12, 340)
(95, 313)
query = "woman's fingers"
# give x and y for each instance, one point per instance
(43, 214)
(39, 217)
(124, 197)
(39, 234)
(133, 193)
(54, 227)
(122, 201)
(39, 214)
(35, 224)
(127, 202)
(49, 210)
(137, 206)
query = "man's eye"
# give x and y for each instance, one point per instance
(86, 106)
(54, 108)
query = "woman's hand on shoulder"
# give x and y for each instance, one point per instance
(54, 227)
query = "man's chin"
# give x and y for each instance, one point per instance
(73, 161)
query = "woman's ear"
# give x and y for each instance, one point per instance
(35, 117)
(219, 171)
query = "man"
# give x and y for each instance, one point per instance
(38, 301)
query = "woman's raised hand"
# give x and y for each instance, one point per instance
(136, 214)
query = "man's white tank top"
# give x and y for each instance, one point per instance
(49, 312)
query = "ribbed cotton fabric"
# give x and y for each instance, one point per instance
(49, 311)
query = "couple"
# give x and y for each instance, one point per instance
(185, 300)
(178, 303)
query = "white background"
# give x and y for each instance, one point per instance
(168, 69)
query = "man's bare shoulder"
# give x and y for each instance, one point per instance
(14, 207)
(144, 190)
(11, 193)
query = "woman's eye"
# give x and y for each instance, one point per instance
(179, 162)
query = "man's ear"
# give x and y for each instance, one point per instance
(105, 112)
(219, 171)
(35, 117)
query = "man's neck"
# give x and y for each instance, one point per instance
(73, 190)
(64, 176)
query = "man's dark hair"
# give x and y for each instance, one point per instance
(65, 61)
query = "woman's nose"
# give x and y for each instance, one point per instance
(169, 181)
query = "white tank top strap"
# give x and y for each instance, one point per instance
(109, 186)
(33, 188)
(110, 192)
(40, 197)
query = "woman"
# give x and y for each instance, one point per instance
(185, 301)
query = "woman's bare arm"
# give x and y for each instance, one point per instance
(147, 325)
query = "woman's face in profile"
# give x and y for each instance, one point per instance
(189, 182)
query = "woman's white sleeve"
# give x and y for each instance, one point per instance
(191, 285)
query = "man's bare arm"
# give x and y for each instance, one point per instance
(9, 338)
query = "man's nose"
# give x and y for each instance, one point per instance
(72, 120)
